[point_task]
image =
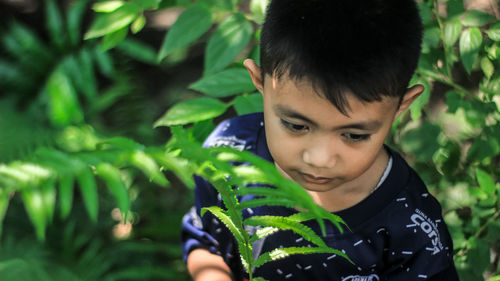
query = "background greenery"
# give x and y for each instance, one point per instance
(90, 191)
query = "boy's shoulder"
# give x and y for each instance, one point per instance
(240, 132)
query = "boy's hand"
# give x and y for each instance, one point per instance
(205, 266)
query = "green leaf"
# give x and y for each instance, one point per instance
(285, 223)
(49, 199)
(422, 141)
(4, 203)
(452, 32)
(148, 166)
(494, 278)
(226, 220)
(494, 32)
(111, 22)
(74, 17)
(485, 181)
(487, 67)
(66, 183)
(258, 9)
(192, 111)
(225, 83)
(138, 50)
(281, 253)
(232, 35)
(190, 25)
(477, 18)
(55, 23)
(138, 24)
(33, 203)
(478, 254)
(110, 40)
(64, 106)
(88, 188)
(107, 6)
(245, 104)
(470, 42)
(120, 143)
(483, 148)
(423, 99)
(112, 177)
(454, 7)
(148, 4)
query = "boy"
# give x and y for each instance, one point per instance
(334, 77)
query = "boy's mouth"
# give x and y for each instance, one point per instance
(315, 179)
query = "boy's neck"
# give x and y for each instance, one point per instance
(351, 193)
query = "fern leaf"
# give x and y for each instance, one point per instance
(66, 184)
(285, 223)
(269, 201)
(4, 203)
(88, 189)
(263, 232)
(111, 176)
(34, 205)
(148, 166)
(281, 253)
(226, 220)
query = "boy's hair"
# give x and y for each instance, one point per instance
(370, 47)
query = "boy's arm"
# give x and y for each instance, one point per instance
(205, 266)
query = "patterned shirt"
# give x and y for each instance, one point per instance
(396, 233)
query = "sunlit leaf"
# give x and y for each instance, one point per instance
(33, 202)
(224, 218)
(421, 101)
(225, 83)
(107, 6)
(232, 35)
(192, 111)
(258, 9)
(148, 166)
(190, 25)
(138, 24)
(452, 32)
(64, 106)
(487, 67)
(114, 21)
(470, 43)
(4, 203)
(494, 32)
(476, 18)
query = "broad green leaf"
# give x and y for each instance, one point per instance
(226, 220)
(470, 43)
(190, 25)
(452, 32)
(485, 181)
(88, 189)
(107, 6)
(74, 18)
(421, 101)
(431, 38)
(138, 50)
(487, 67)
(494, 32)
(33, 203)
(192, 111)
(112, 177)
(421, 141)
(245, 104)
(138, 24)
(425, 13)
(258, 9)
(148, 166)
(110, 40)
(478, 254)
(114, 21)
(66, 183)
(483, 148)
(476, 18)
(226, 83)
(231, 36)
(55, 23)
(64, 106)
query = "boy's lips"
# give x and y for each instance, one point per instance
(315, 179)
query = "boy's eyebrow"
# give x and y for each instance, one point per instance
(286, 111)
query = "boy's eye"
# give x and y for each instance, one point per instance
(294, 127)
(356, 137)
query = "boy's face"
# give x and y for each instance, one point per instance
(316, 145)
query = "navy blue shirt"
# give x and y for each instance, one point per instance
(396, 233)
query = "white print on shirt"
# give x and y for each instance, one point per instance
(231, 141)
(371, 277)
(428, 227)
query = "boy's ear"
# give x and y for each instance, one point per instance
(411, 95)
(255, 73)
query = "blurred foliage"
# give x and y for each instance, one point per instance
(58, 124)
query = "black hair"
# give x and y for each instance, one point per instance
(368, 47)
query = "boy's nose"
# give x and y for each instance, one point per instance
(319, 156)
